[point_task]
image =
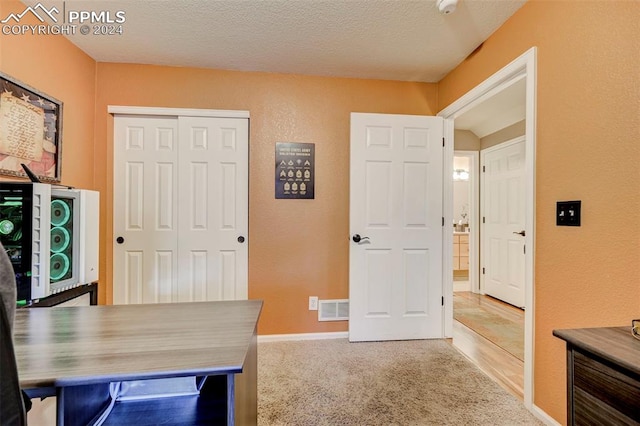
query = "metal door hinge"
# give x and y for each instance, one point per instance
(443, 141)
(483, 219)
(442, 300)
(443, 221)
(482, 271)
(484, 169)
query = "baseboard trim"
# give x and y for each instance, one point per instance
(302, 336)
(542, 415)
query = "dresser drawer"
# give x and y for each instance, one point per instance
(590, 411)
(613, 393)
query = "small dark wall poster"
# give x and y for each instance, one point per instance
(295, 170)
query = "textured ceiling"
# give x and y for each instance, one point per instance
(407, 40)
(381, 39)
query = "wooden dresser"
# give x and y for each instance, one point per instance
(603, 376)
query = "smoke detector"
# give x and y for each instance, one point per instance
(446, 6)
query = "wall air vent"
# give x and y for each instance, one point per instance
(333, 310)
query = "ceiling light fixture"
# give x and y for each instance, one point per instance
(446, 6)
(460, 174)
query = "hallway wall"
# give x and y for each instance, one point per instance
(588, 118)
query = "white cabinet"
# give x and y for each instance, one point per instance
(460, 251)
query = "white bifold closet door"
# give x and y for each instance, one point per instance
(180, 209)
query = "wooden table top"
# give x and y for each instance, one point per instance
(64, 346)
(614, 344)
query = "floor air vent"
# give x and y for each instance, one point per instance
(333, 310)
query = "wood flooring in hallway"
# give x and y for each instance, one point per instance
(495, 361)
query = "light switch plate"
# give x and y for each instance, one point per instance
(568, 213)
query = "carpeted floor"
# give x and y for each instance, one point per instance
(420, 382)
(500, 330)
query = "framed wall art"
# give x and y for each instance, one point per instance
(295, 170)
(30, 131)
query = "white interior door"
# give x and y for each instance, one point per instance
(213, 212)
(503, 212)
(144, 209)
(180, 209)
(395, 278)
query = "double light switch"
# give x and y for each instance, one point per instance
(568, 213)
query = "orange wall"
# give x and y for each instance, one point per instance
(59, 69)
(588, 148)
(297, 248)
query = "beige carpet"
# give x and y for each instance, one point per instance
(334, 382)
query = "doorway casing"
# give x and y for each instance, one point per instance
(522, 67)
(474, 217)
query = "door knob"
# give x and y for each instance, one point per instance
(520, 233)
(119, 240)
(241, 239)
(357, 238)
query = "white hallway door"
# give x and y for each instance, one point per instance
(395, 278)
(180, 209)
(503, 212)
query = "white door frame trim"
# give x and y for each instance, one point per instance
(175, 112)
(474, 216)
(523, 66)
